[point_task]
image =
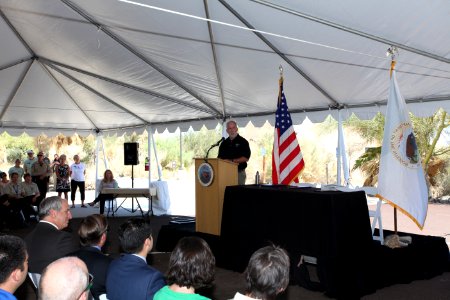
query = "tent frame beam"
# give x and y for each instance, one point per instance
(296, 111)
(216, 62)
(15, 63)
(96, 92)
(17, 34)
(68, 95)
(333, 101)
(352, 31)
(15, 89)
(132, 87)
(138, 54)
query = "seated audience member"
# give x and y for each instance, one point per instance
(108, 181)
(15, 193)
(3, 179)
(48, 242)
(130, 277)
(4, 212)
(10, 213)
(92, 234)
(191, 266)
(16, 169)
(267, 274)
(13, 265)
(65, 279)
(30, 190)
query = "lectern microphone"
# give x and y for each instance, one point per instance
(218, 142)
(214, 145)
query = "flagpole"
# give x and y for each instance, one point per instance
(393, 51)
(280, 81)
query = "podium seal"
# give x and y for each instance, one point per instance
(205, 174)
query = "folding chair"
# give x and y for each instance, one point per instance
(375, 214)
(111, 206)
(35, 277)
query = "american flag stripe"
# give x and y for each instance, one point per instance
(290, 158)
(287, 151)
(287, 159)
(293, 172)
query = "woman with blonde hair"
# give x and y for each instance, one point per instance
(62, 176)
(108, 181)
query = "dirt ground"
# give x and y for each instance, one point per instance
(437, 222)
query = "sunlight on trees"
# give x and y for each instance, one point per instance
(317, 141)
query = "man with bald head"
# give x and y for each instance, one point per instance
(65, 279)
(48, 242)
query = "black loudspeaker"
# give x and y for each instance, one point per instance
(131, 155)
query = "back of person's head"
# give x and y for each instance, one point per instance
(48, 204)
(267, 273)
(13, 254)
(133, 233)
(91, 229)
(191, 264)
(64, 279)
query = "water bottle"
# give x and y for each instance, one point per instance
(257, 177)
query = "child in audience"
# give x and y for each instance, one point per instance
(191, 266)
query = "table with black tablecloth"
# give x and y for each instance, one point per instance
(332, 226)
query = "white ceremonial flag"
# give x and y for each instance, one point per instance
(401, 180)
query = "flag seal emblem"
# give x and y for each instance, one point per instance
(404, 146)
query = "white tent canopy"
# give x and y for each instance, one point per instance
(106, 66)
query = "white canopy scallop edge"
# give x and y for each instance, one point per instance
(120, 66)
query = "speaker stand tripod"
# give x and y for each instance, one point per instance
(133, 210)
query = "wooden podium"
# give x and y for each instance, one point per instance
(209, 199)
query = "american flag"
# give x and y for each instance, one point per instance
(287, 158)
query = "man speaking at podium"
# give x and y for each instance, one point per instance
(236, 149)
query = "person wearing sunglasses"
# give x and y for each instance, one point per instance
(65, 279)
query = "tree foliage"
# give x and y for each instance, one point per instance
(370, 130)
(15, 147)
(198, 142)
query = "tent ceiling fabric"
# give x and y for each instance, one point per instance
(95, 66)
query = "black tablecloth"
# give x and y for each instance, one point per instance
(332, 226)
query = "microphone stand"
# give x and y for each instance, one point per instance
(207, 152)
(212, 146)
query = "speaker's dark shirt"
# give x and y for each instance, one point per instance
(231, 149)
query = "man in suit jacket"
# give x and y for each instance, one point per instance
(92, 232)
(130, 277)
(47, 242)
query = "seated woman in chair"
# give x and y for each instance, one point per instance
(191, 266)
(107, 182)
